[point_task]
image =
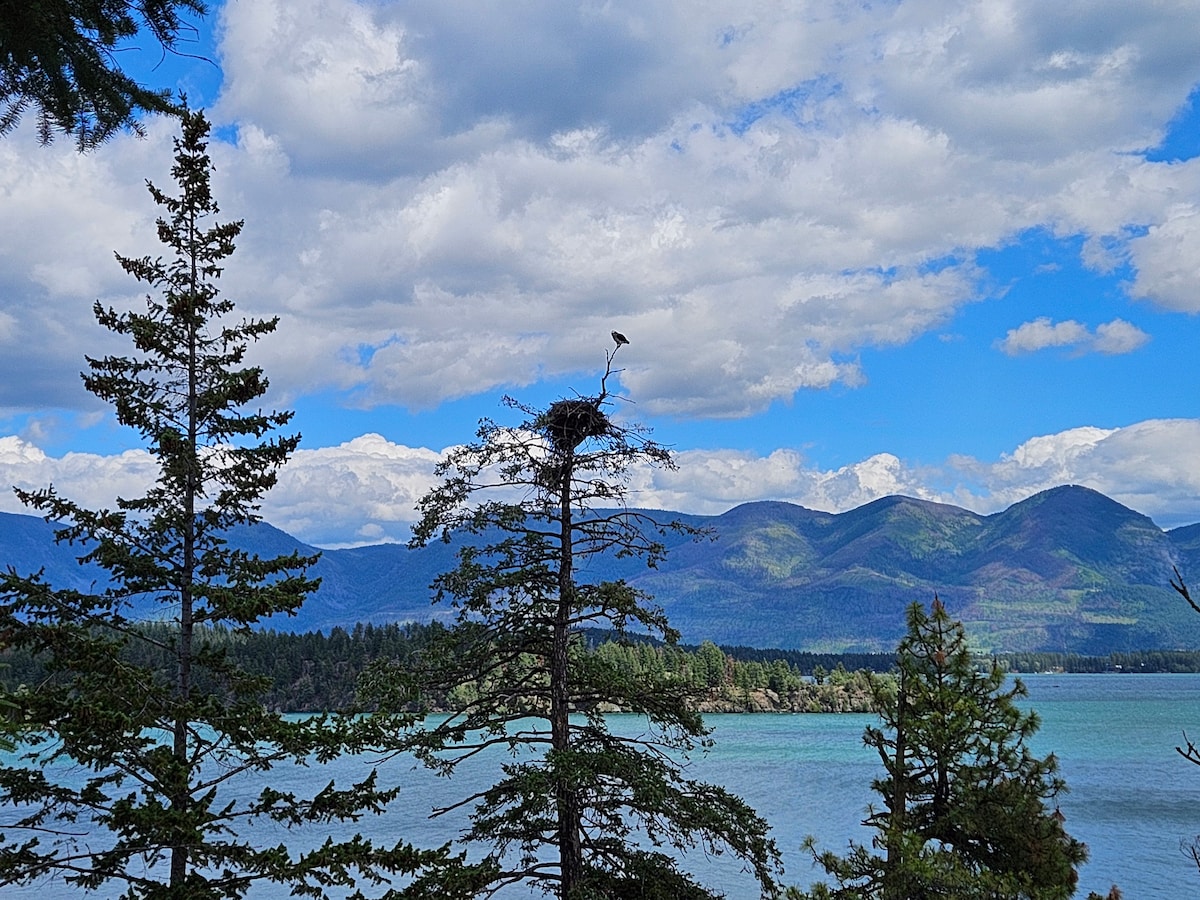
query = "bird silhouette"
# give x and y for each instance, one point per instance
(620, 338)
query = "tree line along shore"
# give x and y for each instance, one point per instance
(318, 671)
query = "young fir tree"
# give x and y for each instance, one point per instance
(578, 811)
(965, 802)
(125, 777)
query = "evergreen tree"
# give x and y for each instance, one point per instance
(60, 57)
(964, 801)
(578, 811)
(126, 767)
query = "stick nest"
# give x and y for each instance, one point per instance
(568, 423)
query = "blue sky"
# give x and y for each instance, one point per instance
(944, 249)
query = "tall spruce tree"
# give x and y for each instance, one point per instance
(129, 769)
(965, 809)
(578, 811)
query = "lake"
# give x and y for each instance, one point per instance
(1132, 798)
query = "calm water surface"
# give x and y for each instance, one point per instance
(1132, 797)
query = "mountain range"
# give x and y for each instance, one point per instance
(1066, 570)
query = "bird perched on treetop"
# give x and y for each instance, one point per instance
(620, 338)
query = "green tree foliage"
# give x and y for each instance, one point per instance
(964, 802)
(126, 765)
(578, 811)
(9, 729)
(310, 672)
(1130, 661)
(62, 57)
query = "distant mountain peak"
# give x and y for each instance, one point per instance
(1075, 496)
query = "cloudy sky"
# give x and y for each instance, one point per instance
(943, 248)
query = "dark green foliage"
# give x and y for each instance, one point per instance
(309, 672)
(577, 811)
(964, 802)
(9, 729)
(133, 733)
(721, 683)
(1177, 661)
(61, 58)
(807, 663)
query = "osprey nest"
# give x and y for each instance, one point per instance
(568, 423)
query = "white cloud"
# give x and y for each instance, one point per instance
(335, 86)
(1042, 333)
(1115, 337)
(92, 480)
(442, 201)
(1119, 336)
(362, 491)
(1168, 261)
(713, 481)
(365, 490)
(1149, 466)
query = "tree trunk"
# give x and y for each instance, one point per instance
(895, 888)
(570, 850)
(181, 795)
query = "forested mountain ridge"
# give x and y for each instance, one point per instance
(1067, 570)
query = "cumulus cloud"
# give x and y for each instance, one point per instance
(1115, 337)
(365, 491)
(1042, 333)
(90, 479)
(711, 482)
(1149, 466)
(439, 202)
(1118, 336)
(1168, 261)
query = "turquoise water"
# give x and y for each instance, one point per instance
(1132, 797)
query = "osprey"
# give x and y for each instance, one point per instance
(620, 338)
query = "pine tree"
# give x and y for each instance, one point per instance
(133, 740)
(578, 811)
(964, 801)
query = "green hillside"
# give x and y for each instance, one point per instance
(1068, 570)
